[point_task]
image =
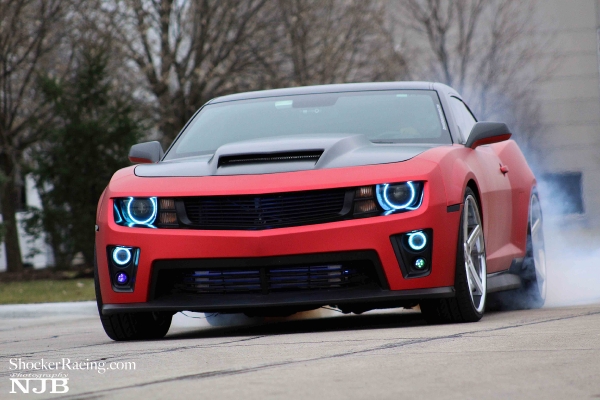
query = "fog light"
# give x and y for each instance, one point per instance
(121, 255)
(417, 240)
(122, 278)
(420, 263)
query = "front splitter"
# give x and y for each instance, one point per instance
(241, 302)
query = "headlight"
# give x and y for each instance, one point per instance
(136, 211)
(403, 196)
(387, 198)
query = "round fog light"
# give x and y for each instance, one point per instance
(121, 255)
(420, 263)
(417, 240)
(122, 278)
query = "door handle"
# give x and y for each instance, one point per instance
(504, 169)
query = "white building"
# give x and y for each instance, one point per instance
(571, 106)
(36, 252)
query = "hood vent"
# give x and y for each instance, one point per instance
(264, 158)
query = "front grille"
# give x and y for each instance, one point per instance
(266, 279)
(249, 212)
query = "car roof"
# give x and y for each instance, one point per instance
(335, 88)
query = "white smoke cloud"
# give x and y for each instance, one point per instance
(572, 252)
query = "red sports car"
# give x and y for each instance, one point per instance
(356, 196)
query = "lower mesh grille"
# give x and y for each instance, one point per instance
(274, 279)
(223, 281)
(317, 277)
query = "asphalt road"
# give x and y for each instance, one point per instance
(552, 353)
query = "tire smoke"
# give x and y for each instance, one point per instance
(572, 251)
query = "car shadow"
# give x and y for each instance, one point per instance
(295, 325)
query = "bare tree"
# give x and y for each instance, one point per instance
(191, 51)
(187, 51)
(330, 41)
(489, 50)
(28, 36)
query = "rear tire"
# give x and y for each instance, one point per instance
(532, 293)
(131, 326)
(470, 283)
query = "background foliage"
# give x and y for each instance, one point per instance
(88, 140)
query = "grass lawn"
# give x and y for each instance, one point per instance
(46, 291)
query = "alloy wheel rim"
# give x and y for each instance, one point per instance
(474, 254)
(537, 243)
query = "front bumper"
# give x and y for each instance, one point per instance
(367, 234)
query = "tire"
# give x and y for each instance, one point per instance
(131, 326)
(532, 293)
(468, 304)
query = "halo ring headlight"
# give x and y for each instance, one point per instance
(385, 196)
(133, 206)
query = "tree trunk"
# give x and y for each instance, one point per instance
(9, 219)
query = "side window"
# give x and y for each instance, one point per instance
(464, 118)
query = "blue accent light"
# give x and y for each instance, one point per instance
(417, 240)
(122, 278)
(121, 255)
(149, 220)
(384, 198)
(118, 218)
(417, 205)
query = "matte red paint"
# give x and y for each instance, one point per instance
(446, 170)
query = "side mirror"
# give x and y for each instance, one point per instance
(488, 133)
(144, 153)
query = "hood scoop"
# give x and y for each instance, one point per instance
(271, 155)
(266, 158)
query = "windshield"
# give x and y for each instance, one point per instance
(394, 116)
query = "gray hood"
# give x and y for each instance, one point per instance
(286, 154)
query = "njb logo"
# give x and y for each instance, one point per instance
(40, 385)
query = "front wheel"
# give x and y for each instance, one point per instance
(470, 282)
(136, 326)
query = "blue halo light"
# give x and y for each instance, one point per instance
(121, 255)
(417, 240)
(387, 204)
(118, 218)
(148, 221)
(122, 278)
